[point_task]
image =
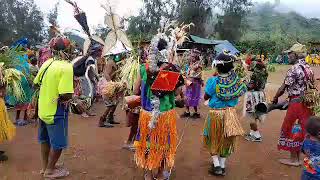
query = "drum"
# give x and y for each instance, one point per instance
(132, 101)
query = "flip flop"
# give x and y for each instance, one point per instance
(57, 173)
(21, 122)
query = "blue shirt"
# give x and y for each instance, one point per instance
(214, 101)
(312, 160)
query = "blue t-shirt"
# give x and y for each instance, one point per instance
(214, 101)
(312, 160)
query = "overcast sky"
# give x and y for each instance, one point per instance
(95, 13)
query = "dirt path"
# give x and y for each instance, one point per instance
(95, 153)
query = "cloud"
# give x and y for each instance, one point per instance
(95, 13)
(308, 8)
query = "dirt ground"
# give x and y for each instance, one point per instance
(95, 153)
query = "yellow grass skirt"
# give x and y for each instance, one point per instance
(7, 129)
(220, 131)
(156, 147)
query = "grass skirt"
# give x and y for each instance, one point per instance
(7, 129)
(156, 147)
(220, 131)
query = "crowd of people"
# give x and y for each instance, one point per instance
(57, 81)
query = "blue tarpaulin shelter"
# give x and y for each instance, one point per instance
(219, 45)
(225, 45)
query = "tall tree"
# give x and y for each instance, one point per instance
(150, 16)
(101, 31)
(53, 19)
(20, 18)
(198, 12)
(230, 23)
(53, 15)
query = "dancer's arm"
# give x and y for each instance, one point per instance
(279, 93)
(137, 86)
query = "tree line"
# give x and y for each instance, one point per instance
(219, 18)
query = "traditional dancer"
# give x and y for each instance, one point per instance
(298, 79)
(311, 148)
(133, 106)
(194, 83)
(255, 96)
(110, 75)
(85, 69)
(22, 104)
(55, 79)
(156, 140)
(7, 129)
(222, 126)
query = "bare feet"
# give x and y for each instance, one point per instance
(85, 115)
(129, 147)
(290, 162)
(56, 173)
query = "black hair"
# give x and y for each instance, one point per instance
(295, 54)
(313, 126)
(227, 66)
(162, 44)
(260, 66)
(33, 60)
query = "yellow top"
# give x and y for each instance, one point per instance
(57, 80)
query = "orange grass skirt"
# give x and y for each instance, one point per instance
(157, 147)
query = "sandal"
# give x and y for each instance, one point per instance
(216, 171)
(21, 122)
(57, 173)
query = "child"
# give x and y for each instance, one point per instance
(193, 88)
(222, 125)
(311, 148)
(255, 96)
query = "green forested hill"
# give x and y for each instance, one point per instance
(279, 30)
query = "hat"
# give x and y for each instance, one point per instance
(59, 43)
(223, 58)
(297, 48)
